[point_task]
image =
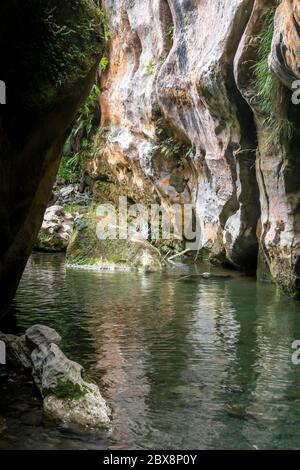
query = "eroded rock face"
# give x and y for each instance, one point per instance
(49, 55)
(173, 83)
(277, 163)
(180, 104)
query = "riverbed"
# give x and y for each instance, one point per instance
(184, 364)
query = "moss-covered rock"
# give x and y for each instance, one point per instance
(86, 249)
(56, 231)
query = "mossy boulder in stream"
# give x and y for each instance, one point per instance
(87, 250)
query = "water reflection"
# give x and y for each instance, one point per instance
(184, 365)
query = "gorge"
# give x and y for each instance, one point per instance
(166, 102)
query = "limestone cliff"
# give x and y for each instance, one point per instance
(197, 106)
(49, 54)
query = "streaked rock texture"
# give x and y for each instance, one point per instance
(164, 89)
(182, 113)
(278, 160)
(49, 55)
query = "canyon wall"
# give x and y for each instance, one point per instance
(190, 115)
(196, 107)
(49, 55)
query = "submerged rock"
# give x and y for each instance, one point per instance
(67, 397)
(56, 231)
(197, 277)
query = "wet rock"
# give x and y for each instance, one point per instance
(51, 365)
(67, 397)
(89, 410)
(183, 127)
(210, 122)
(56, 230)
(197, 277)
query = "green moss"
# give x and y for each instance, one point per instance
(66, 38)
(67, 390)
(267, 85)
(86, 249)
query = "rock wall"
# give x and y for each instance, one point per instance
(49, 55)
(184, 112)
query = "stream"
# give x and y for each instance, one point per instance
(199, 364)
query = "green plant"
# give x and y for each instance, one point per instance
(67, 390)
(104, 63)
(150, 67)
(79, 145)
(171, 148)
(267, 85)
(67, 45)
(170, 30)
(105, 24)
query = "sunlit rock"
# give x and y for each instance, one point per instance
(56, 231)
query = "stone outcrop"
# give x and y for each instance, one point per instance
(67, 398)
(184, 114)
(170, 103)
(56, 231)
(49, 56)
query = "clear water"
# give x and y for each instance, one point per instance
(184, 365)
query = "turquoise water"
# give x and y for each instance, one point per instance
(184, 365)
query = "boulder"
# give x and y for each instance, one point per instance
(39, 335)
(90, 410)
(68, 398)
(87, 250)
(17, 352)
(56, 230)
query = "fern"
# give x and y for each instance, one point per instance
(267, 85)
